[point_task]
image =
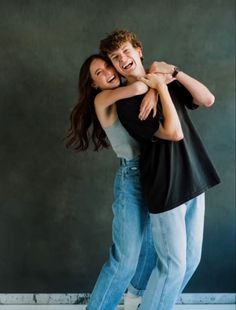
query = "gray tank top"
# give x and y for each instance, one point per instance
(122, 143)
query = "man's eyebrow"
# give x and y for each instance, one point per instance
(122, 48)
(112, 54)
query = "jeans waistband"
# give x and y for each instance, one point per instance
(129, 162)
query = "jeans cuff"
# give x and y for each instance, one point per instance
(135, 291)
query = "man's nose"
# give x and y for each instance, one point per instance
(122, 57)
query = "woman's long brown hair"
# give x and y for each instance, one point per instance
(83, 115)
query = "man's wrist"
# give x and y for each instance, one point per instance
(160, 86)
(175, 72)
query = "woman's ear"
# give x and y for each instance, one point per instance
(94, 85)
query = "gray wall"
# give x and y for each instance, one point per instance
(55, 206)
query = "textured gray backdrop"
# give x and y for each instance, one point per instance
(55, 206)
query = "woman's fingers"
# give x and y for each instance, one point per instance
(154, 111)
(144, 111)
(144, 79)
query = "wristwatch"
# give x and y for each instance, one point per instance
(175, 72)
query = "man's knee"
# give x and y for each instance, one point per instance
(174, 268)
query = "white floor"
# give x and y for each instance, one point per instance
(79, 307)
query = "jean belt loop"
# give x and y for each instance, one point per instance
(123, 161)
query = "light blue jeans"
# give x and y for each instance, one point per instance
(131, 234)
(177, 235)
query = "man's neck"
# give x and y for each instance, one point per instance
(131, 79)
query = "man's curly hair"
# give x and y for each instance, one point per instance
(116, 38)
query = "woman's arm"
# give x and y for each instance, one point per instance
(171, 128)
(148, 104)
(150, 100)
(109, 97)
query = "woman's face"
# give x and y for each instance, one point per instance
(104, 76)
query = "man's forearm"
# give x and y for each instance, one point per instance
(201, 94)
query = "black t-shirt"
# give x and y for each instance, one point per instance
(171, 172)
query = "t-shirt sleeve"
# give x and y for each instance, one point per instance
(184, 95)
(128, 111)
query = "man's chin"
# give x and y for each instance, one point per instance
(129, 73)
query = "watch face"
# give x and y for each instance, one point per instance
(176, 71)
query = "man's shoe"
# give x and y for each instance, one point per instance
(131, 302)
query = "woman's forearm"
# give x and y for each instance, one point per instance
(109, 97)
(171, 128)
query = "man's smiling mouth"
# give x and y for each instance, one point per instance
(128, 65)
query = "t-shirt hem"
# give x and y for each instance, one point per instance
(185, 199)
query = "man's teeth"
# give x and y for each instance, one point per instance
(128, 65)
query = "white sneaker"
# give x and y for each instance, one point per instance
(131, 301)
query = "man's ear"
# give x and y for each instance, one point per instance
(140, 52)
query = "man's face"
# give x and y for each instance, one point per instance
(127, 60)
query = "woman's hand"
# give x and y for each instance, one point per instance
(149, 103)
(155, 81)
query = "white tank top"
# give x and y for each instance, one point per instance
(122, 143)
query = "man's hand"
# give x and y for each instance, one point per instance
(161, 67)
(155, 80)
(148, 104)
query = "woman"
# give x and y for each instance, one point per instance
(99, 90)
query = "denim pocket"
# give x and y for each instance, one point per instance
(132, 171)
(131, 183)
(132, 176)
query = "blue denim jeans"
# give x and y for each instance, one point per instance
(132, 255)
(177, 235)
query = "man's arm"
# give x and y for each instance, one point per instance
(200, 93)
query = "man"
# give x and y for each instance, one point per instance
(131, 227)
(174, 175)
